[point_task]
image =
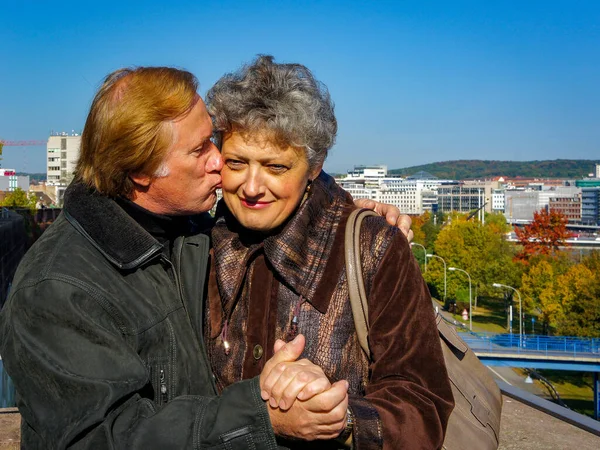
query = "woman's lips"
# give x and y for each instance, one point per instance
(254, 204)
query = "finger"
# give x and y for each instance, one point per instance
(287, 387)
(278, 344)
(336, 419)
(365, 203)
(404, 223)
(330, 399)
(314, 388)
(275, 383)
(288, 352)
(410, 236)
(271, 379)
(299, 383)
(391, 213)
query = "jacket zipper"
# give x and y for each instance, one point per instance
(177, 252)
(163, 386)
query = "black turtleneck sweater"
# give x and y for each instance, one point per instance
(165, 229)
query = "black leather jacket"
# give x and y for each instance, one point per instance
(101, 335)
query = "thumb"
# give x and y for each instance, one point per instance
(288, 352)
(278, 344)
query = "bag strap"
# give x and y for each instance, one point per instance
(354, 275)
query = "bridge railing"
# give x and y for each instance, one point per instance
(566, 345)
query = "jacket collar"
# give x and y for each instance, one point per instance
(298, 254)
(108, 227)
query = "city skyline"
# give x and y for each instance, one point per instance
(412, 83)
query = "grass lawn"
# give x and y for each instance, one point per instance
(485, 319)
(575, 388)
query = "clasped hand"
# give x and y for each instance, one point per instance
(303, 404)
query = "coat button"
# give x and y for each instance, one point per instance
(258, 351)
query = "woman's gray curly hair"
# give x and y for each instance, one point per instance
(284, 100)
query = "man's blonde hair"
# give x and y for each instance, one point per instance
(128, 130)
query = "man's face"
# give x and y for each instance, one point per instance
(191, 169)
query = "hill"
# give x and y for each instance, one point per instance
(466, 169)
(33, 177)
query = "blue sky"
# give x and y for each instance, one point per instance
(414, 82)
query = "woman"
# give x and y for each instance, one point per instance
(279, 264)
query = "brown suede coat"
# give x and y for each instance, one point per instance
(402, 399)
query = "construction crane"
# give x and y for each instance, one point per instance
(4, 143)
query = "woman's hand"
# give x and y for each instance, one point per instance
(302, 402)
(391, 214)
(283, 380)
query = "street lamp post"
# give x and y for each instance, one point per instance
(430, 255)
(498, 285)
(470, 299)
(424, 252)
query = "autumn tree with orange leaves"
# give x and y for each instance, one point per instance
(543, 236)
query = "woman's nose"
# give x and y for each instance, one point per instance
(252, 186)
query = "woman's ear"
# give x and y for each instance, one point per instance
(314, 173)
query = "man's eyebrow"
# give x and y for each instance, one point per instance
(200, 144)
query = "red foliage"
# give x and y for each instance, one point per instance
(543, 235)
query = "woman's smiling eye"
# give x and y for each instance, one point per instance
(277, 168)
(234, 164)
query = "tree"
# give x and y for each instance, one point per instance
(538, 288)
(417, 227)
(19, 199)
(543, 236)
(432, 224)
(579, 294)
(497, 222)
(478, 249)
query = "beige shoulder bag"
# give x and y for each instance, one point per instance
(475, 420)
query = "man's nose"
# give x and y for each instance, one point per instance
(214, 163)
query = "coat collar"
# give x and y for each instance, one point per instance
(298, 254)
(123, 241)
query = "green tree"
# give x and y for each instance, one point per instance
(541, 284)
(432, 224)
(497, 222)
(19, 199)
(578, 291)
(478, 249)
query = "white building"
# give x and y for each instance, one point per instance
(62, 154)
(597, 170)
(520, 204)
(9, 181)
(498, 197)
(412, 195)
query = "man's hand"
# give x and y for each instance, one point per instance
(321, 417)
(283, 379)
(391, 214)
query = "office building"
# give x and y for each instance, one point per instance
(9, 181)
(62, 154)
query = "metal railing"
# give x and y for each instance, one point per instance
(536, 344)
(585, 423)
(7, 390)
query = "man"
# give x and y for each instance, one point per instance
(102, 330)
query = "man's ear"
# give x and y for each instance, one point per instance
(140, 179)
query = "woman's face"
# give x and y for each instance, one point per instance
(262, 182)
